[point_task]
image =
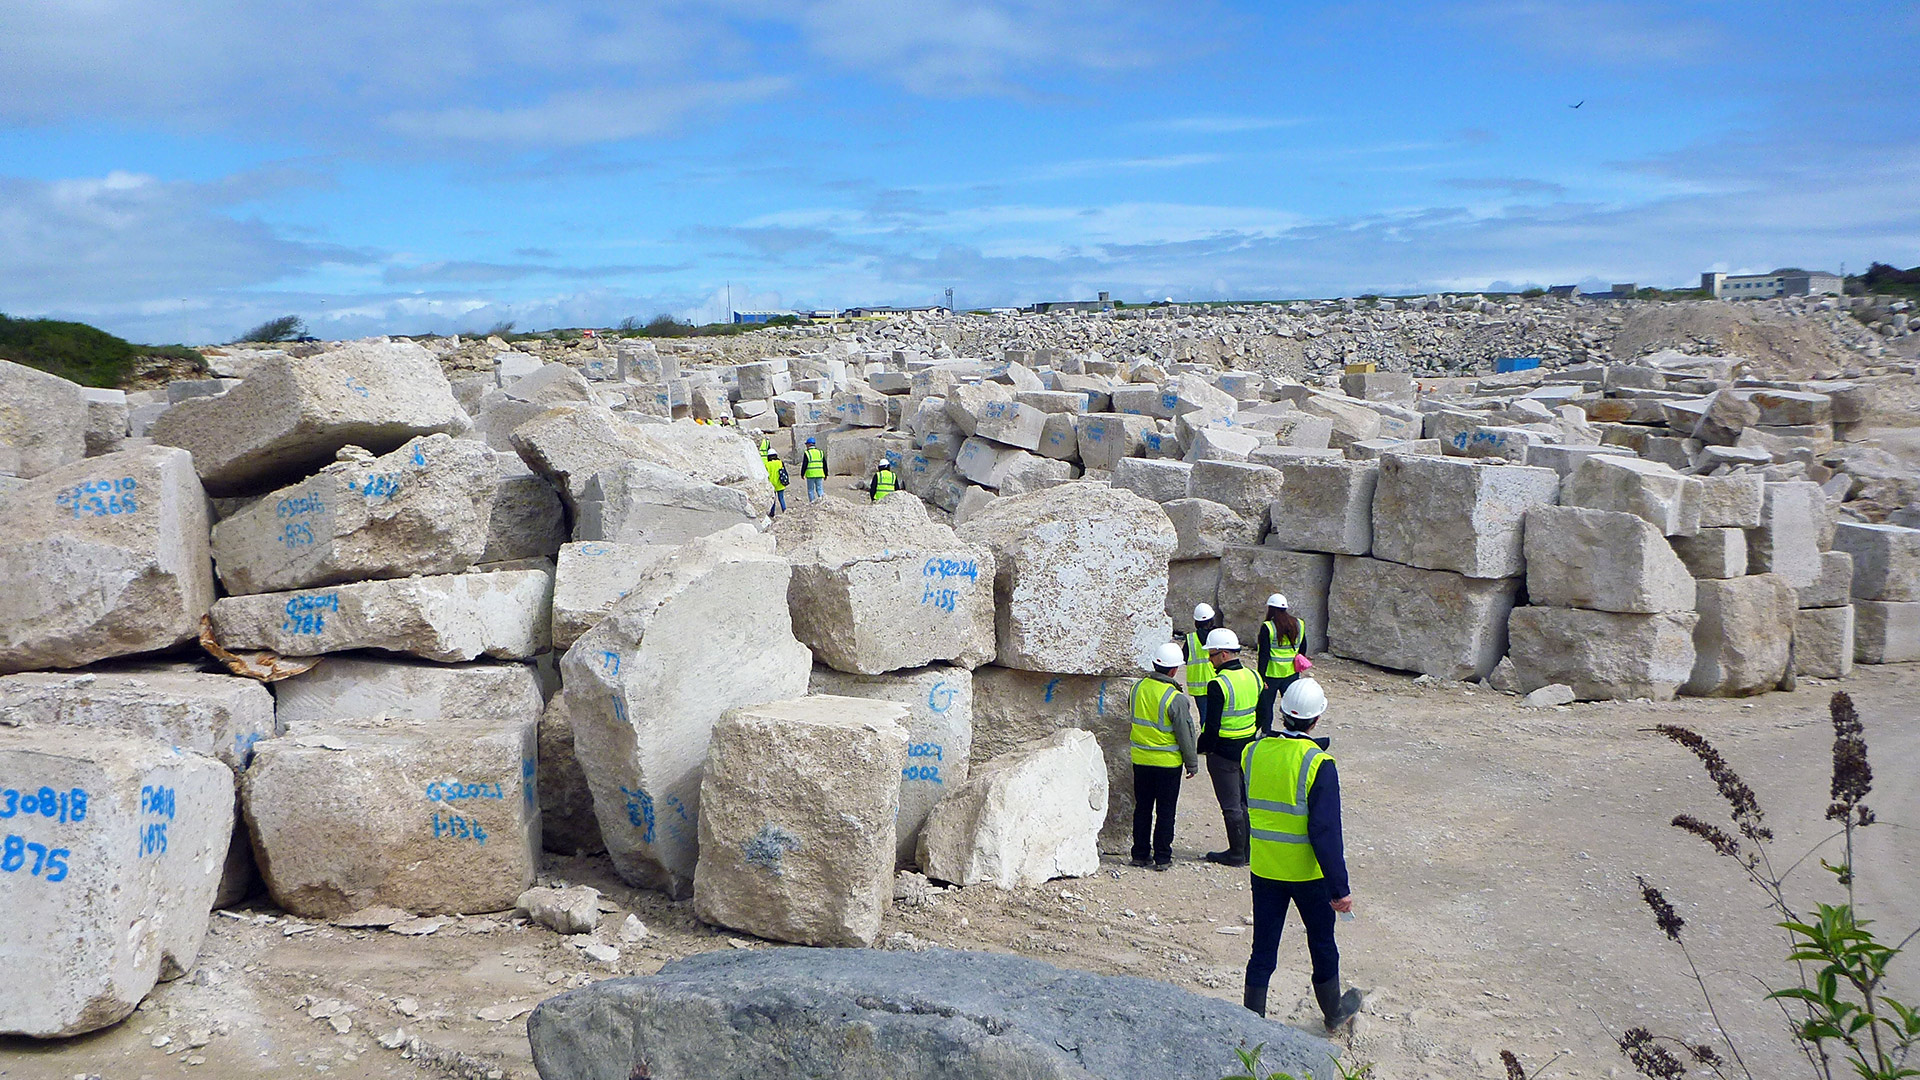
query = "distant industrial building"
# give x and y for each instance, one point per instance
(766, 316)
(884, 312)
(1105, 303)
(1787, 282)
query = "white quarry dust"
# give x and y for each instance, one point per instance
(1493, 850)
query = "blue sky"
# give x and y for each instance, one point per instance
(180, 171)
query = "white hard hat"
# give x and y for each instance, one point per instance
(1223, 640)
(1169, 655)
(1278, 600)
(1304, 700)
(1202, 612)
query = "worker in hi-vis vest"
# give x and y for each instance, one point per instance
(1232, 699)
(1199, 668)
(1282, 639)
(777, 476)
(885, 481)
(813, 469)
(1298, 856)
(1164, 744)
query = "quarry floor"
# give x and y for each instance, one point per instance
(1493, 851)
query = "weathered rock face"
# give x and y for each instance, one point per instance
(1024, 818)
(449, 617)
(1731, 501)
(430, 816)
(1204, 529)
(524, 397)
(1886, 631)
(1713, 553)
(121, 844)
(1325, 506)
(1741, 642)
(1602, 655)
(876, 1015)
(1649, 490)
(1431, 621)
(1602, 560)
(638, 502)
(1834, 587)
(422, 509)
(104, 557)
(219, 716)
(1081, 578)
(570, 445)
(939, 702)
(879, 587)
(289, 416)
(1013, 707)
(703, 633)
(1823, 642)
(1454, 514)
(524, 519)
(1106, 439)
(590, 578)
(1244, 488)
(1190, 583)
(1788, 538)
(797, 806)
(1886, 560)
(1248, 575)
(568, 825)
(346, 687)
(43, 421)
(1155, 479)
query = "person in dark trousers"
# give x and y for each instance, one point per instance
(885, 481)
(1233, 697)
(1164, 742)
(813, 469)
(777, 476)
(1199, 668)
(1282, 639)
(1298, 854)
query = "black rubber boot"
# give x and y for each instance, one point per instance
(1237, 841)
(1255, 999)
(1336, 1009)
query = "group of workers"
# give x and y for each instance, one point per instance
(1278, 789)
(813, 469)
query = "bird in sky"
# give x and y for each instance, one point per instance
(1577, 104)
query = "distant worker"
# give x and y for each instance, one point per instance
(1233, 697)
(777, 476)
(1282, 639)
(1299, 857)
(813, 468)
(885, 481)
(1199, 668)
(1164, 742)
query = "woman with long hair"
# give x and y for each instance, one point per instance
(1283, 640)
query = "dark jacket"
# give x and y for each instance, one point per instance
(1323, 824)
(1212, 708)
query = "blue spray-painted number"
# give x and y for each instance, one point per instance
(49, 864)
(61, 806)
(101, 498)
(640, 811)
(455, 827)
(307, 614)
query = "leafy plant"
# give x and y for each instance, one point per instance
(284, 328)
(1250, 1062)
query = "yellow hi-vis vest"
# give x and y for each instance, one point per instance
(1279, 771)
(774, 468)
(1153, 740)
(815, 465)
(1280, 651)
(1199, 669)
(884, 484)
(1241, 688)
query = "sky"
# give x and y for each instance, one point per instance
(183, 171)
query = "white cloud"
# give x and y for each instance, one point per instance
(589, 116)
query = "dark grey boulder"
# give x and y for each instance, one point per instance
(865, 1014)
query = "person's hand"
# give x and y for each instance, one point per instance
(1192, 772)
(1344, 904)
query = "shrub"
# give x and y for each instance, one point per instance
(78, 352)
(284, 328)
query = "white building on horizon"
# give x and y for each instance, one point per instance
(1787, 282)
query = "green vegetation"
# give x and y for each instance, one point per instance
(284, 328)
(1250, 1061)
(76, 351)
(1882, 278)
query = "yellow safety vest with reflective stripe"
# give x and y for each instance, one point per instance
(1199, 669)
(815, 465)
(884, 484)
(1154, 742)
(1280, 771)
(774, 468)
(1241, 688)
(1280, 652)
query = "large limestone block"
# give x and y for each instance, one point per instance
(697, 635)
(1713, 553)
(572, 445)
(590, 578)
(797, 808)
(290, 415)
(1203, 529)
(1602, 655)
(881, 586)
(113, 852)
(1603, 560)
(987, 463)
(1107, 438)
(1731, 501)
(1190, 583)
(965, 402)
(1244, 488)
(1352, 421)
(1217, 443)
(1012, 707)
(524, 397)
(1024, 818)
(762, 378)
(43, 421)
(1432, 621)
(1248, 575)
(433, 816)
(104, 557)
(422, 509)
(524, 519)
(1834, 588)
(1886, 631)
(568, 825)
(1157, 479)
(939, 722)
(348, 687)
(1823, 642)
(1565, 459)
(1631, 485)
(1324, 506)
(448, 617)
(106, 420)
(1011, 424)
(1788, 539)
(1060, 440)
(1081, 578)
(219, 716)
(1740, 644)
(638, 502)
(1886, 560)
(1031, 472)
(1455, 514)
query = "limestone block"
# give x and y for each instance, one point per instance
(939, 723)
(644, 690)
(219, 716)
(764, 378)
(1306, 431)
(971, 502)
(590, 578)
(1053, 401)
(449, 617)
(1030, 472)
(798, 407)
(1788, 539)
(1024, 818)
(106, 420)
(113, 849)
(1378, 385)
(1192, 393)
(1010, 423)
(524, 397)
(572, 445)
(882, 587)
(1060, 439)
(1489, 441)
(1204, 528)
(1351, 421)
(43, 421)
(1603, 561)
(1834, 588)
(797, 808)
(1886, 631)
(986, 463)
(1602, 655)
(524, 518)
(1220, 444)
(1725, 415)
(862, 407)
(1741, 641)
(1191, 582)
(1324, 506)
(1731, 501)
(289, 416)
(1823, 644)
(1246, 489)
(349, 687)
(1011, 707)
(1435, 622)
(1458, 515)
(1157, 479)
(1107, 438)
(1784, 408)
(1564, 459)
(103, 557)
(1630, 485)
(638, 503)
(433, 816)
(966, 401)
(567, 822)
(1886, 560)
(1713, 553)
(1142, 400)
(1081, 578)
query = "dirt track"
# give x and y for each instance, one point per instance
(1493, 852)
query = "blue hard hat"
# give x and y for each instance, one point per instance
(809, 442)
